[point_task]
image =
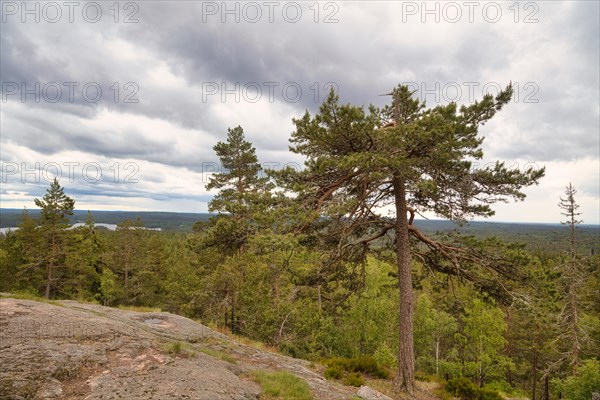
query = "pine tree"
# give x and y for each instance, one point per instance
(55, 207)
(409, 159)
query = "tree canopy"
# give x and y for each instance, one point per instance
(404, 158)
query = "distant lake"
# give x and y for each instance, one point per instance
(110, 227)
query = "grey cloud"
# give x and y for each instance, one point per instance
(367, 53)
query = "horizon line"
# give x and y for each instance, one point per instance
(416, 218)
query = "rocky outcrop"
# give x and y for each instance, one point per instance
(70, 350)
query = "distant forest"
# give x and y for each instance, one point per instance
(546, 237)
(166, 221)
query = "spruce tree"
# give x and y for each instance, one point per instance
(128, 251)
(84, 260)
(570, 207)
(243, 192)
(19, 269)
(55, 207)
(573, 277)
(242, 204)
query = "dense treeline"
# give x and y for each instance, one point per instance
(548, 238)
(317, 274)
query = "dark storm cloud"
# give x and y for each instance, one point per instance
(131, 191)
(62, 134)
(213, 52)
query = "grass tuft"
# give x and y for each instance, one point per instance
(218, 354)
(282, 386)
(179, 349)
(30, 296)
(174, 348)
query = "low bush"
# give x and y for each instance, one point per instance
(364, 364)
(488, 394)
(354, 379)
(464, 389)
(333, 373)
(424, 377)
(350, 370)
(583, 384)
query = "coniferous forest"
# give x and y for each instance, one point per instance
(329, 263)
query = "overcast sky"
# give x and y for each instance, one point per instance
(125, 100)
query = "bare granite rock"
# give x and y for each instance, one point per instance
(367, 393)
(70, 350)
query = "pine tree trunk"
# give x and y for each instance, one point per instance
(319, 296)
(573, 288)
(405, 377)
(126, 269)
(437, 356)
(534, 378)
(574, 323)
(232, 319)
(233, 311)
(480, 378)
(509, 350)
(47, 294)
(536, 349)
(51, 265)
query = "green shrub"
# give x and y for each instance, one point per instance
(585, 382)
(488, 394)
(506, 390)
(424, 377)
(350, 369)
(337, 362)
(364, 364)
(500, 386)
(464, 389)
(385, 357)
(333, 373)
(354, 379)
